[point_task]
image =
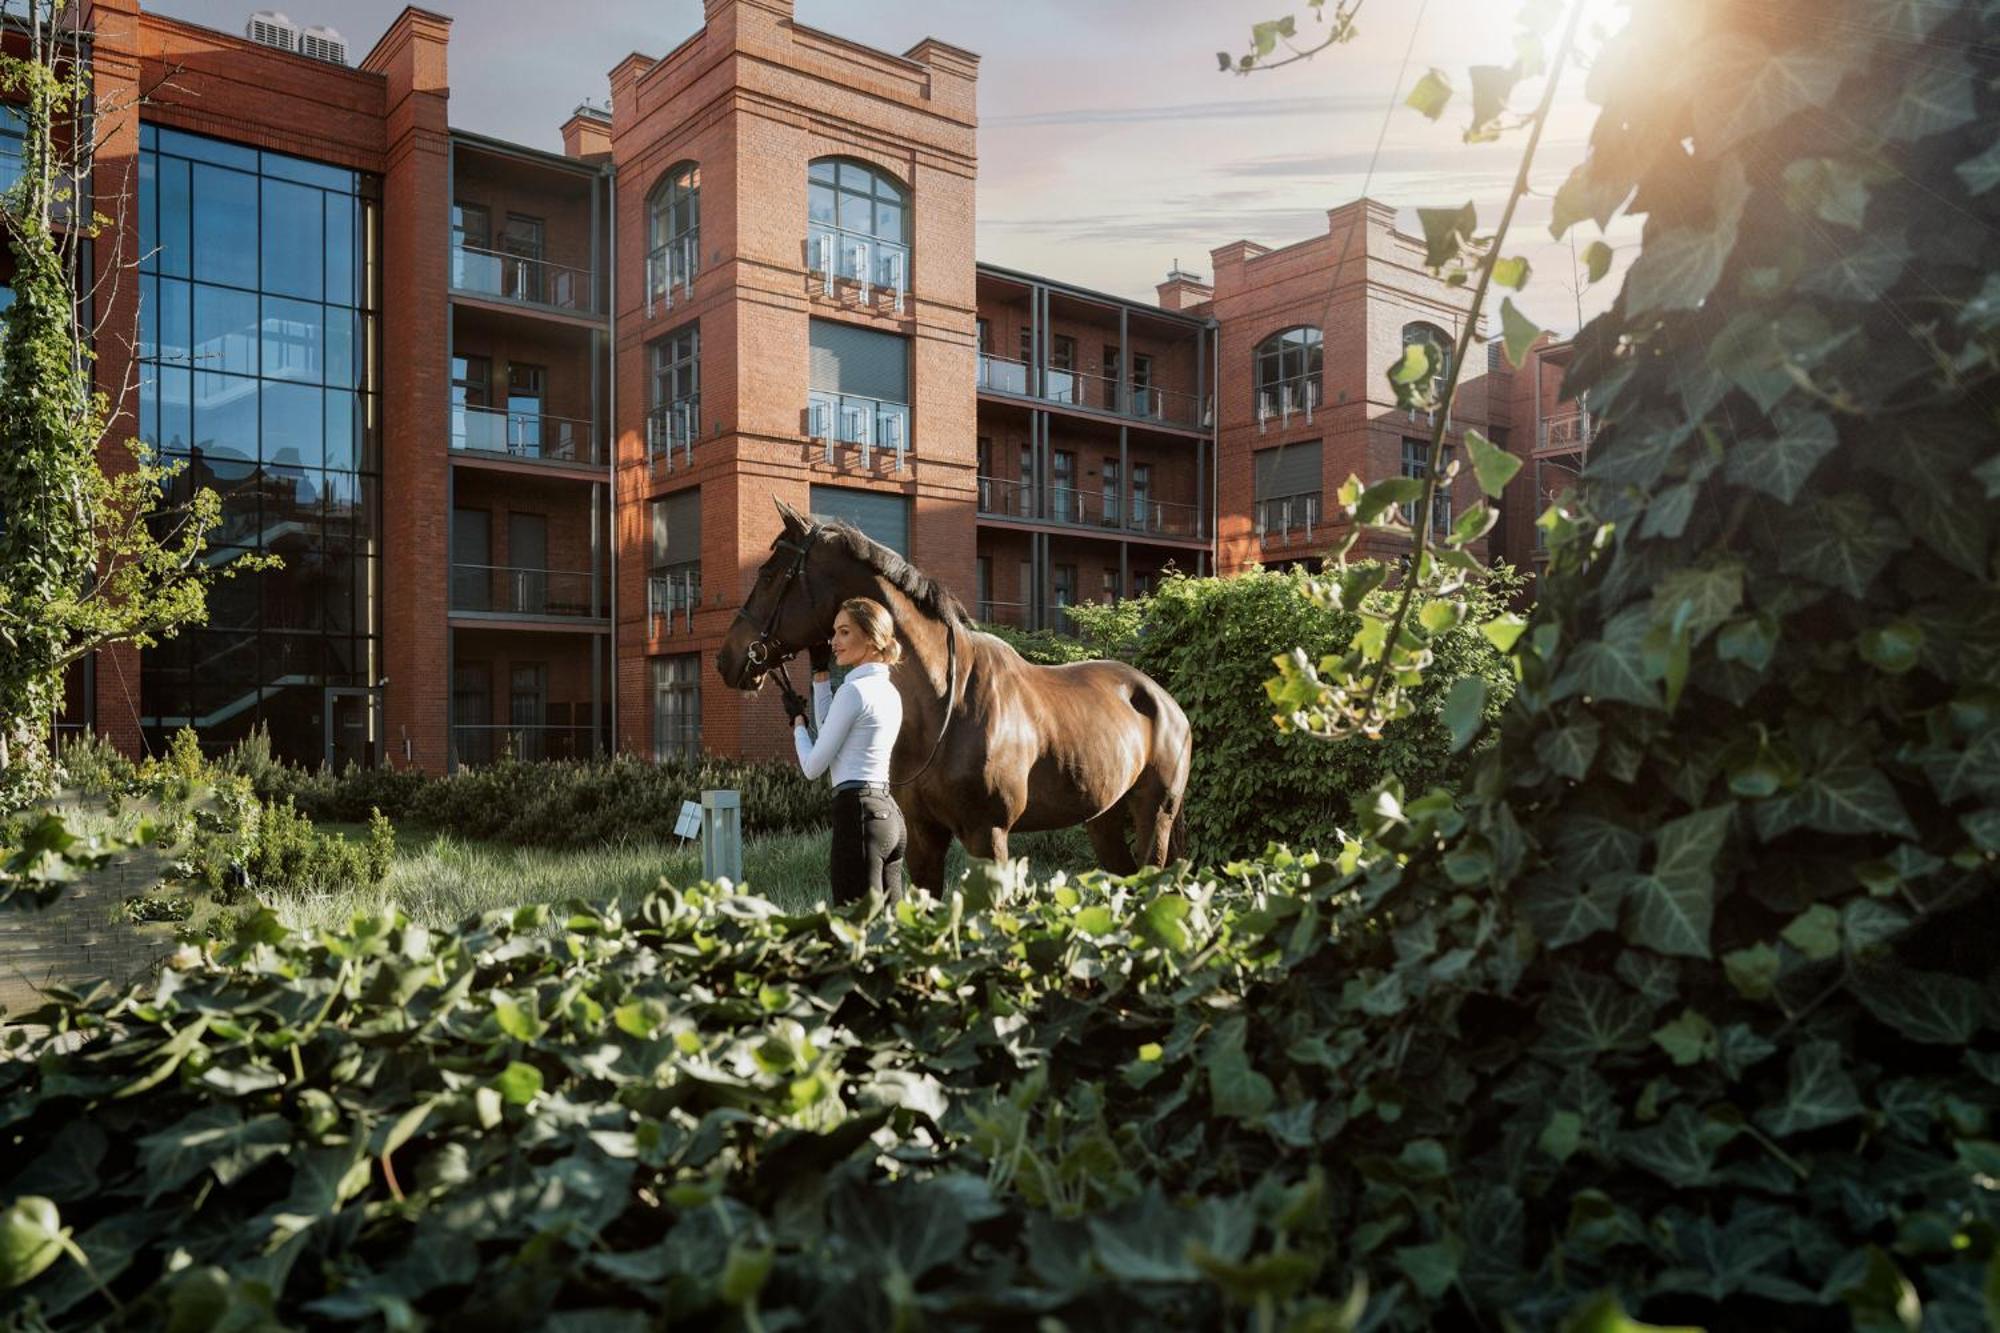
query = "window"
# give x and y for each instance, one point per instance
(1063, 384)
(1062, 486)
(673, 589)
(1144, 513)
(471, 224)
(677, 707)
(985, 337)
(472, 712)
(1416, 457)
(1062, 587)
(673, 418)
(526, 392)
(527, 710)
(1143, 582)
(859, 387)
(1287, 483)
(1110, 593)
(1438, 343)
(1027, 344)
(256, 320)
(1288, 374)
(858, 227)
(883, 515)
(1024, 497)
(523, 275)
(673, 233)
(1113, 502)
(985, 585)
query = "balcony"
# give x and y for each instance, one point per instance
(670, 272)
(1286, 399)
(1282, 520)
(486, 744)
(522, 279)
(1096, 393)
(870, 265)
(1110, 512)
(512, 592)
(672, 426)
(1570, 433)
(531, 436)
(1004, 613)
(673, 594)
(867, 423)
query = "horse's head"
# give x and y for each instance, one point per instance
(791, 605)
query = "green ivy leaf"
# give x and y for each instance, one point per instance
(1670, 911)
(1562, 1135)
(1596, 261)
(1511, 272)
(1842, 542)
(1680, 1149)
(1570, 748)
(519, 1083)
(1464, 710)
(1821, 1093)
(1981, 174)
(1779, 465)
(32, 1237)
(1587, 1016)
(1492, 85)
(1445, 231)
(1815, 933)
(1503, 631)
(1095, 920)
(1163, 922)
(1493, 466)
(1562, 910)
(1518, 333)
(1895, 648)
(1933, 1007)
(1431, 1268)
(1933, 100)
(1430, 96)
(1606, 1315)
(1689, 1039)
(1882, 1299)
(1678, 267)
(1746, 87)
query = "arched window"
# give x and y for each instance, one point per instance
(1288, 374)
(673, 233)
(857, 228)
(1438, 343)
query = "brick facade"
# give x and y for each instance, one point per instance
(1063, 444)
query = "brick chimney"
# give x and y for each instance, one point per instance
(1183, 290)
(587, 133)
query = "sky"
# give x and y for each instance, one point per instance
(1110, 145)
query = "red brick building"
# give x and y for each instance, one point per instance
(514, 420)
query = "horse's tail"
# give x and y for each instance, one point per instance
(1177, 835)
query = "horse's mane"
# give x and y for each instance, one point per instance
(930, 596)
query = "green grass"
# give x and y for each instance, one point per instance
(439, 880)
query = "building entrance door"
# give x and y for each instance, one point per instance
(353, 725)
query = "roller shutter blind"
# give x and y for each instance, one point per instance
(1293, 469)
(884, 517)
(846, 359)
(677, 528)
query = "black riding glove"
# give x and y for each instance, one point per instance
(821, 656)
(795, 707)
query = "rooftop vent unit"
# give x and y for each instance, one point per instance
(323, 43)
(268, 27)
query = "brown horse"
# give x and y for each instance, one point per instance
(990, 743)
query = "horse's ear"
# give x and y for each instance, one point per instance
(794, 520)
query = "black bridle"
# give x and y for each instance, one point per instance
(767, 654)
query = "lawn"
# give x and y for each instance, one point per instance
(439, 879)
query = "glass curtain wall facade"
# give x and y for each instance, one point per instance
(257, 349)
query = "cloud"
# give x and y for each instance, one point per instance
(1457, 159)
(1236, 109)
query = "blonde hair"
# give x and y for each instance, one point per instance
(876, 625)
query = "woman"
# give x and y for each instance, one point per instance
(857, 732)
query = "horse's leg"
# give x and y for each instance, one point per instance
(987, 843)
(1108, 840)
(1152, 807)
(923, 854)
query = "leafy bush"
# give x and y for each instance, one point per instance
(1043, 647)
(1209, 643)
(90, 764)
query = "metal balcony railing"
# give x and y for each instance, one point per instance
(511, 277)
(513, 590)
(673, 593)
(1285, 399)
(530, 742)
(670, 271)
(850, 419)
(1003, 613)
(1000, 374)
(1102, 393)
(1008, 497)
(872, 265)
(669, 427)
(537, 436)
(1287, 518)
(1571, 432)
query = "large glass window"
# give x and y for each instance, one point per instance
(677, 706)
(673, 420)
(1416, 464)
(858, 226)
(673, 232)
(859, 387)
(1288, 374)
(255, 310)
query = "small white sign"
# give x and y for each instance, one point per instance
(689, 824)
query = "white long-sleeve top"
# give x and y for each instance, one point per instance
(857, 727)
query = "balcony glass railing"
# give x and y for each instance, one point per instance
(490, 743)
(670, 272)
(1102, 393)
(512, 590)
(671, 428)
(673, 592)
(873, 266)
(867, 423)
(1568, 433)
(537, 436)
(1003, 613)
(522, 278)
(1287, 518)
(1007, 497)
(1284, 400)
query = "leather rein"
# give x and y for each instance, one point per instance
(765, 650)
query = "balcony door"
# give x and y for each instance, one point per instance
(528, 562)
(527, 708)
(471, 392)
(1114, 508)
(1062, 486)
(526, 386)
(1144, 516)
(472, 712)
(471, 560)
(471, 246)
(521, 241)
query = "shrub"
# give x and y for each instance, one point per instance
(1043, 647)
(92, 765)
(1209, 643)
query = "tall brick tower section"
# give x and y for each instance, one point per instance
(744, 110)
